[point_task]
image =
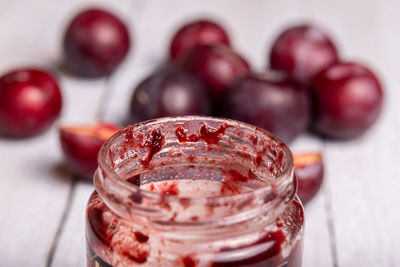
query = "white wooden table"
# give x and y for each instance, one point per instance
(354, 221)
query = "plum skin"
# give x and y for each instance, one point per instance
(347, 100)
(217, 66)
(169, 91)
(301, 52)
(95, 43)
(81, 145)
(271, 102)
(309, 171)
(194, 33)
(30, 101)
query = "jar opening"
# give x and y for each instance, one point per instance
(171, 168)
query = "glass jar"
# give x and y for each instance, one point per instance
(194, 191)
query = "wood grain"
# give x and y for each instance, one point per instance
(34, 187)
(32, 194)
(352, 222)
(360, 174)
(71, 247)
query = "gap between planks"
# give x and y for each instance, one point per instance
(327, 198)
(64, 217)
(99, 114)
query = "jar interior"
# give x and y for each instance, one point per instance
(218, 143)
(197, 181)
(172, 168)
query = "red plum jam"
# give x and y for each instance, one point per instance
(194, 191)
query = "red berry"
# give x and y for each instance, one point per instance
(348, 100)
(271, 102)
(301, 52)
(194, 33)
(95, 43)
(216, 66)
(30, 101)
(169, 92)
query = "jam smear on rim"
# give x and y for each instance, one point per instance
(189, 261)
(140, 237)
(207, 134)
(154, 142)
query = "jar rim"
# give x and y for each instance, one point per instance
(280, 181)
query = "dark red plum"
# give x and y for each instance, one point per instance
(216, 66)
(195, 33)
(309, 170)
(30, 101)
(81, 144)
(301, 52)
(347, 100)
(95, 43)
(169, 92)
(271, 102)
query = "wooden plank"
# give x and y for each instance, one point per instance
(33, 188)
(71, 249)
(361, 175)
(33, 196)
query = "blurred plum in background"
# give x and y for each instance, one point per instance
(170, 91)
(195, 33)
(268, 100)
(217, 66)
(347, 99)
(95, 43)
(301, 52)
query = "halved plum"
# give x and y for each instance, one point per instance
(309, 170)
(81, 144)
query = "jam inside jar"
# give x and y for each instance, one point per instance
(194, 191)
